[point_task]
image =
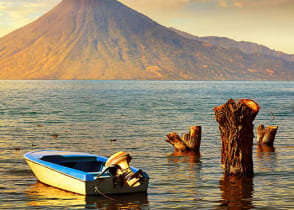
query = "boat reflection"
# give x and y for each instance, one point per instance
(237, 192)
(42, 195)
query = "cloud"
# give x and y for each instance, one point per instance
(172, 5)
(230, 3)
(253, 3)
(267, 3)
(25, 11)
(16, 13)
(163, 5)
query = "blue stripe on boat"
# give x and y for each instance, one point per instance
(53, 159)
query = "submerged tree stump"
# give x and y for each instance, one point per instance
(266, 136)
(189, 142)
(236, 131)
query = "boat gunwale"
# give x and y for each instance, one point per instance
(70, 172)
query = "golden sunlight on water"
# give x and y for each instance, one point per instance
(43, 195)
(86, 115)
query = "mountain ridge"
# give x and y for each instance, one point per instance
(104, 39)
(244, 46)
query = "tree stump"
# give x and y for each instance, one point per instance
(189, 142)
(236, 131)
(266, 136)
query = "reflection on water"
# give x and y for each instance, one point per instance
(186, 164)
(131, 201)
(41, 195)
(183, 157)
(266, 157)
(264, 149)
(236, 192)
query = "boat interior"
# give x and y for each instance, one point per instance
(86, 164)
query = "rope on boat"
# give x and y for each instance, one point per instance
(101, 193)
(98, 191)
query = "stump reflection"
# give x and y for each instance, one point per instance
(264, 149)
(189, 156)
(266, 157)
(191, 164)
(237, 192)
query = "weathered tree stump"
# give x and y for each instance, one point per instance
(266, 136)
(236, 131)
(189, 142)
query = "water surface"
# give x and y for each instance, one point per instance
(86, 115)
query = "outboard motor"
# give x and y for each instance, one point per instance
(118, 165)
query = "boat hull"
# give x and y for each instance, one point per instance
(107, 186)
(56, 179)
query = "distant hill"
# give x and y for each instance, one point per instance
(104, 39)
(246, 47)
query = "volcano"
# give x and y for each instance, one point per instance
(104, 39)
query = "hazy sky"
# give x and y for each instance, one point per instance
(267, 22)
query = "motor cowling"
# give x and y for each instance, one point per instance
(120, 161)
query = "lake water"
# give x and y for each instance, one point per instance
(86, 115)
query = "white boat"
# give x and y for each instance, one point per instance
(87, 174)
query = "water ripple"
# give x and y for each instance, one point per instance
(86, 115)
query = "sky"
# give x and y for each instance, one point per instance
(266, 22)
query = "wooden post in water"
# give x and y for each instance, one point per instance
(236, 131)
(266, 136)
(189, 142)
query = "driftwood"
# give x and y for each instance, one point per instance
(189, 142)
(266, 136)
(236, 131)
